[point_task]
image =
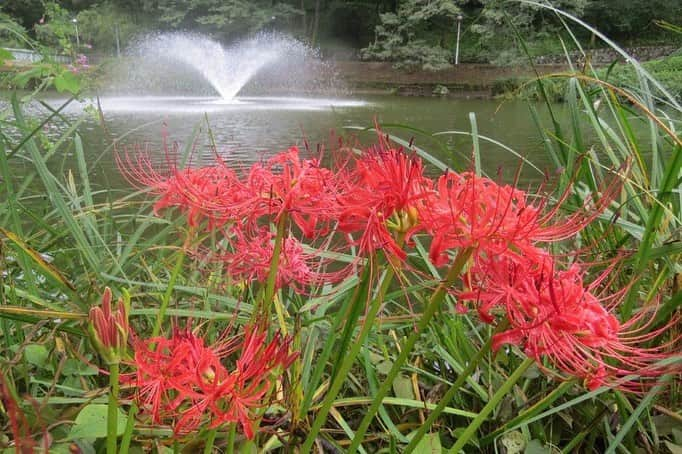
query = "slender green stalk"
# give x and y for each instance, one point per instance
(14, 216)
(210, 439)
(670, 181)
(230, 438)
(531, 411)
(269, 294)
(130, 427)
(589, 429)
(112, 414)
(432, 306)
(645, 404)
(348, 360)
(490, 406)
(445, 400)
(332, 343)
(167, 294)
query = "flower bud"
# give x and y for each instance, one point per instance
(109, 328)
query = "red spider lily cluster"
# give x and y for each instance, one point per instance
(184, 383)
(377, 201)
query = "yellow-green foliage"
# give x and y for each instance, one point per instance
(667, 70)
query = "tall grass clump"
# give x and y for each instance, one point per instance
(347, 301)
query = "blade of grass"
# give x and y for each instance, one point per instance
(53, 193)
(611, 44)
(47, 268)
(634, 417)
(476, 146)
(370, 374)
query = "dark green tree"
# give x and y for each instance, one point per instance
(25, 12)
(415, 34)
(109, 26)
(56, 29)
(632, 18)
(224, 18)
(501, 22)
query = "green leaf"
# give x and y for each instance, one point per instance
(67, 448)
(537, 447)
(38, 259)
(91, 422)
(36, 354)
(674, 449)
(5, 55)
(72, 366)
(514, 442)
(67, 81)
(384, 367)
(677, 436)
(402, 387)
(72, 386)
(430, 444)
(248, 447)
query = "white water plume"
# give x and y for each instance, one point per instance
(227, 69)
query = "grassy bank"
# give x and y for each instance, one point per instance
(666, 70)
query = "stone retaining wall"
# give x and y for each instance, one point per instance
(475, 79)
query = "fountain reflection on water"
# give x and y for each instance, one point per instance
(188, 105)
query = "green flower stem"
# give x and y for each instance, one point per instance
(530, 412)
(210, 439)
(349, 358)
(331, 343)
(230, 438)
(461, 378)
(490, 406)
(128, 434)
(269, 294)
(429, 311)
(167, 295)
(112, 413)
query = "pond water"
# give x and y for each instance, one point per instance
(249, 129)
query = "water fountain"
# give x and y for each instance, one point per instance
(183, 72)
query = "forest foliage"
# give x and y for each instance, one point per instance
(409, 32)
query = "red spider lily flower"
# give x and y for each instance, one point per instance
(255, 367)
(194, 191)
(554, 316)
(182, 382)
(23, 442)
(497, 281)
(469, 211)
(250, 259)
(170, 373)
(382, 199)
(108, 329)
(302, 189)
